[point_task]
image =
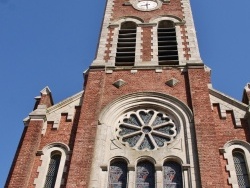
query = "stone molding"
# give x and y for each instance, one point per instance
(227, 103)
(114, 43)
(53, 113)
(227, 152)
(104, 33)
(190, 30)
(108, 148)
(45, 158)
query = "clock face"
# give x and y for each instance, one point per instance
(147, 5)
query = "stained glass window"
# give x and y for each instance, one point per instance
(118, 175)
(172, 175)
(145, 175)
(241, 170)
(52, 171)
(146, 129)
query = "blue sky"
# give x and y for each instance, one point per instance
(51, 42)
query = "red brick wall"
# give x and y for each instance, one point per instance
(146, 44)
(211, 131)
(207, 144)
(173, 8)
(98, 93)
(226, 131)
(85, 136)
(120, 11)
(23, 164)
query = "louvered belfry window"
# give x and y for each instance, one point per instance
(172, 175)
(241, 170)
(145, 175)
(52, 171)
(118, 175)
(167, 44)
(125, 54)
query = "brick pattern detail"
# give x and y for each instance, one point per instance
(80, 166)
(207, 144)
(146, 44)
(185, 42)
(23, 163)
(211, 131)
(98, 93)
(109, 45)
(191, 39)
(173, 8)
(226, 131)
(46, 100)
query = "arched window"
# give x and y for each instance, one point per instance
(145, 175)
(172, 175)
(52, 170)
(53, 158)
(167, 44)
(125, 53)
(118, 174)
(241, 170)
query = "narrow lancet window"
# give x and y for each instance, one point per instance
(167, 44)
(172, 175)
(145, 175)
(118, 175)
(52, 170)
(125, 54)
(241, 170)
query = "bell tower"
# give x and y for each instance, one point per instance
(146, 34)
(148, 116)
(144, 92)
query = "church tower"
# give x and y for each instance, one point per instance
(147, 117)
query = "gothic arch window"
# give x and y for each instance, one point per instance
(52, 170)
(50, 173)
(167, 43)
(145, 175)
(118, 174)
(172, 175)
(237, 154)
(241, 169)
(126, 46)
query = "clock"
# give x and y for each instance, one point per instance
(146, 5)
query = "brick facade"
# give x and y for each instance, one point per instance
(75, 122)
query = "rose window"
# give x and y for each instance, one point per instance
(146, 129)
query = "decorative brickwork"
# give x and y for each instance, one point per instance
(113, 119)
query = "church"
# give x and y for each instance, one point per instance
(147, 116)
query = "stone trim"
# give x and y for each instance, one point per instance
(158, 169)
(45, 91)
(45, 158)
(154, 40)
(191, 33)
(227, 103)
(65, 102)
(104, 33)
(67, 106)
(227, 150)
(116, 27)
(108, 147)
